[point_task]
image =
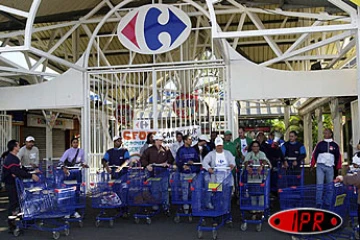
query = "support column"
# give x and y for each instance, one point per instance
(318, 114)
(287, 121)
(336, 117)
(308, 137)
(356, 138)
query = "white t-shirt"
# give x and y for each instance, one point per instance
(243, 146)
(221, 160)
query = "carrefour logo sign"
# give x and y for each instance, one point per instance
(153, 29)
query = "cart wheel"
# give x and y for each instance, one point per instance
(56, 235)
(176, 219)
(190, 219)
(243, 226)
(148, 220)
(136, 220)
(16, 232)
(81, 224)
(97, 223)
(200, 234)
(111, 223)
(258, 227)
(357, 237)
(230, 224)
(214, 233)
(67, 232)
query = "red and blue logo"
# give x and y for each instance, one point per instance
(153, 29)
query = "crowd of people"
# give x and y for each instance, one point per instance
(210, 152)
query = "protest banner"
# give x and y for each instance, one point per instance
(133, 140)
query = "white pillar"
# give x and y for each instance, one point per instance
(318, 114)
(155, 100)
(336, 117)
(308, 136)
(356, 138)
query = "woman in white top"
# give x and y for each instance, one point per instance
(255, 157)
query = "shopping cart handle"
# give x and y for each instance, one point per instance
(291, 158)
(136, 168)
(159, 165)
(193, 164)
(221, 168)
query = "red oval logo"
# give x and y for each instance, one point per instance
(305, 221)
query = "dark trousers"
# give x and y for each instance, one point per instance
(13, 202)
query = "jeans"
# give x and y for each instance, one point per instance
(185, 186)
(324, 175)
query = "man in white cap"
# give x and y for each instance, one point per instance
(29, 154)
(116, 156)
(218, 158)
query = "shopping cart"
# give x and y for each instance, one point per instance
(109, 191)
(338, 205)
(254, 195)
(180, 184)
(352, 197)
(43, 208)
(148, 190)
(290, 176)
(211, 198)
(75, 179)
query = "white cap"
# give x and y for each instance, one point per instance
(219, 141)
(158, 136)
(204, 138)
(116, 138)
(356, 160)
(29, 139)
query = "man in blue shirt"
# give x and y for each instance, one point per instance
(293, 151)
(185, 156)
(116, 156)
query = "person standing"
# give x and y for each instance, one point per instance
(185, 157)
(326, 156)
(213, 136)
(228, 144)
(242, 144)
(116, 156)
(176, 145)
(29, 154)
(12, 169)
(149, 143)
(157, 154)
(294, 152)
(71, 157)
(218, 158)
(202, 147)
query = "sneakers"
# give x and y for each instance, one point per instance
(77, 215)
(209, 206)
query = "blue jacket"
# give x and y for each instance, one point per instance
(185, 154)
(11, 166)
(327, 147)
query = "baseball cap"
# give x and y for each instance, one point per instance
(204, 138)
(356, 159)
(29, 139)
(219, 141)
(116, 138)
(158, 137)
(228, 132)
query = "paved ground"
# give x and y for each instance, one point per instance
(162, 227)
